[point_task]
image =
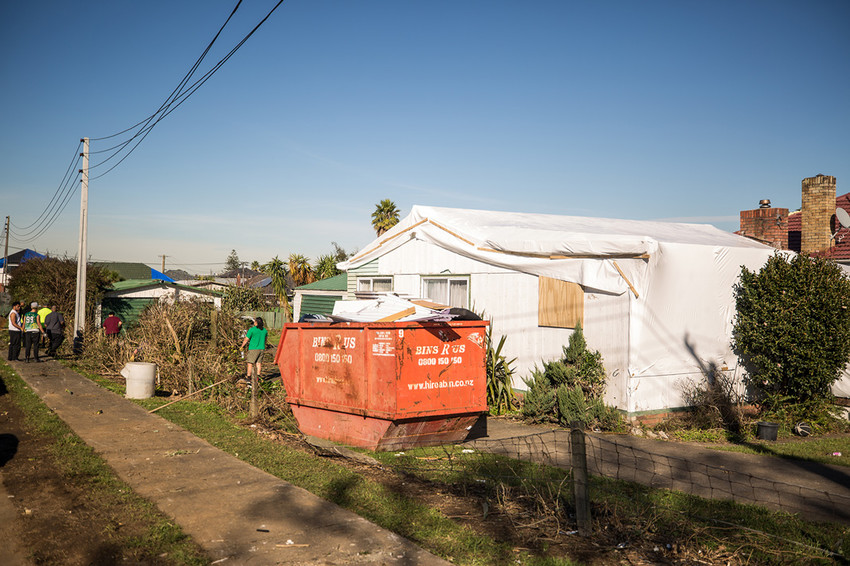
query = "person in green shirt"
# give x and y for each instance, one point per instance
(32, 332)
(255, 339)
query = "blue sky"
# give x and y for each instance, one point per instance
(682, 111)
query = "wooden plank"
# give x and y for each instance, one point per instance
(398, 315)
(563, 256)
(626, 279)
(428, 304)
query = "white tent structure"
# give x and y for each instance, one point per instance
(656, 298)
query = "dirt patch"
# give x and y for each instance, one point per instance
(59, 519)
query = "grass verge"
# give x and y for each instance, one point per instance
(624, 513)
(157, 538)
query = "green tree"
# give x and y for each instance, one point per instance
(279, 272)
(255, 265)
(54, 281)
(792, 327)
(326, 267)
(300, 270)
(232, 262)
(339, 253)
(385, 216)
(238, 299)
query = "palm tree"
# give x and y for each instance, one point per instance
(278, 271)
(385, 216)
(300, 270)
(326, 267)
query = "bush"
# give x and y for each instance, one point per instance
(570, 390)
(714, 403)
(500, 391)
(792, 328)
(53, 281)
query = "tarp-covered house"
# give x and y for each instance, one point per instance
(656, 298)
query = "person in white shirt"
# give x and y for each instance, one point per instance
(15, 330)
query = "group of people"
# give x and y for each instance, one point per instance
(31, 327)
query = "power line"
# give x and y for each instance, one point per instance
(180, 94)
(55, 215)
(53, 199)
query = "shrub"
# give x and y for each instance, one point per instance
(53, 281)
(792, 328)
(500, 392)
(570, 389)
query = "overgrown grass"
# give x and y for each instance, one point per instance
(635, 515)
(819, 450)
(627, 512)
(80, 465)
(390, 509)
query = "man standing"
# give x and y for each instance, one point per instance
(32, 333)
(15, 330)
(54, 323)
(112, 325)
(42, 314)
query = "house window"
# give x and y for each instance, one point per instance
(375, 284)
(452, 291)
(560, 303)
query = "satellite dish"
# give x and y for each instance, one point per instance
(842, 217)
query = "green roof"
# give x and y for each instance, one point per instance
(335, 283)
(128, 270)
(131, 284)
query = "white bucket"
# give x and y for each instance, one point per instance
(141, 379)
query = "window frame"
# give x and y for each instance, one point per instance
(371, 279)
(448, 278)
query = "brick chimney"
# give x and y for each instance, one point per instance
(766, 224)
(817, 211)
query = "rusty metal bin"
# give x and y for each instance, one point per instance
(385, 385)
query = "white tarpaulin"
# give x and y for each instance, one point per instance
(678, 279)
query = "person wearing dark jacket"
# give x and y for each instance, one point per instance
(54, 323)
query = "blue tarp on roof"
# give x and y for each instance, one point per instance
(20, 257)
(159, 275)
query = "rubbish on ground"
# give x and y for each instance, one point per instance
(392, 308)
(291, 544)
(467, 451)
(836, 453)
(622, 545)
(262, 530)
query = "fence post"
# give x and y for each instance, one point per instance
(254, 411)
(214, 327)
(580, 484)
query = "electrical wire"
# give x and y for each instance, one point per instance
(178, 96)
(168, 100)
(175, 100)
(53, 199)
(69, 193)
(59, 207)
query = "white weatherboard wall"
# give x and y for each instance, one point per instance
(658, 301)
(509, 299)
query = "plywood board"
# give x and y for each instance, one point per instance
(560, 303)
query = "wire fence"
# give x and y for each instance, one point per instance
(571, 482)
(723, 476)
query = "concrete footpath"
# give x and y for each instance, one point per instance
(237, 513)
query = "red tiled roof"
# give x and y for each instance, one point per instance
(841, 251)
